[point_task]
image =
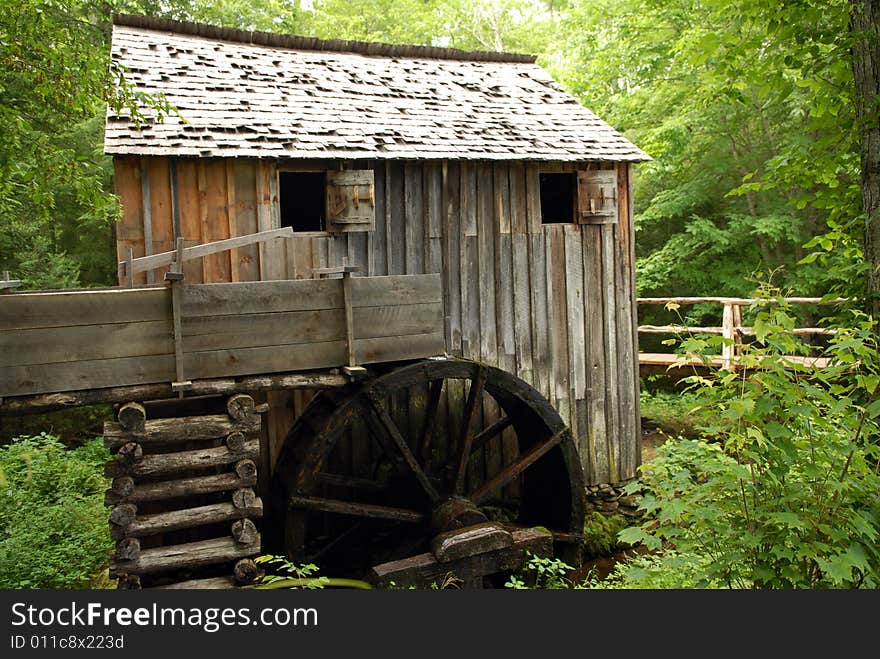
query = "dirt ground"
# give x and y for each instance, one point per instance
(652, 437)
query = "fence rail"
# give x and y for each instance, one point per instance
(731, 328)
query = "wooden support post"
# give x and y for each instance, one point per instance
(349, 316)
(148, 216)
(352, 369)
(175, 276)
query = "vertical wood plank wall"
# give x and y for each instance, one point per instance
(552, 303)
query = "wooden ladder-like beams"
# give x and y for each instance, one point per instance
(154, 462)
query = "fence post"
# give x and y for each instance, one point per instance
(728, 349)
(737, 330)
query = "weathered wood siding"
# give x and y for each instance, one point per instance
(552, 303)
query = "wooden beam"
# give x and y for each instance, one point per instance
(179, 429)
(338, 480)
(742, 301)
(470, 541)
(175, 520)
(466, 439)
(745, 331)
(154, 261)
(8, 284)
(356, 509)
(515, 468)
(48, 402)
(189, 555)
(489, 432)
(169, 463)
(424, 569)
(182, 487)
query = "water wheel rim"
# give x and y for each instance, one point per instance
(536, 423)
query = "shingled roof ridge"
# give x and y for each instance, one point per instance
(312, 43)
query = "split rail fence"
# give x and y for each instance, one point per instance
(731, 329)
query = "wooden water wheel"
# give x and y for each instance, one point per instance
(384, 469)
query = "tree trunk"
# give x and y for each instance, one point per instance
(865, 28)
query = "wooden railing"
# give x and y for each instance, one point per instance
(731, 327)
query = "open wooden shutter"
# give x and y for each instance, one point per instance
(597, 196)
(351, 200)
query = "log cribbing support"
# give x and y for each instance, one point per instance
(155, 462)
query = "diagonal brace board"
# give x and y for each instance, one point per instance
(154, 261)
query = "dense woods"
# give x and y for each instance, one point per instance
(750, 110)
(761, 117)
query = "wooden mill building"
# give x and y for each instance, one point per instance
(399, 160)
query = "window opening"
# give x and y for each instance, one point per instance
(557, 197)
(302, 197)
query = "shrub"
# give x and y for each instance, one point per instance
(543, 573)
(783, 491)
(52, 515)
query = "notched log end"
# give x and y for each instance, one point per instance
(132, 417)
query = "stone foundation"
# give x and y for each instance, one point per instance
(610, 498)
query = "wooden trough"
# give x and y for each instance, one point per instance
(85, 340)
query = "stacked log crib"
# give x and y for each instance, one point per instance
(184, 507)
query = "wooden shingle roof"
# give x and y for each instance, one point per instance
(253, 94)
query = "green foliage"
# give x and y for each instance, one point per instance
(788, 498)
(600, 533)
(71, 426)
(674, 412)
(52, 514)
(747, 109)
(669, 570)
(56, 204)
(298, 576)
(542, 573)
(289, 574)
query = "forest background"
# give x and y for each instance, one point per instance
(748, 109)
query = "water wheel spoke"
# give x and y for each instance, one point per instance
(474, 397)
(356, 509)
(388, 425)
(335, 542)
(482, 438)
(354, 482)
(434, 391)
(379, 432)
(515, 468)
